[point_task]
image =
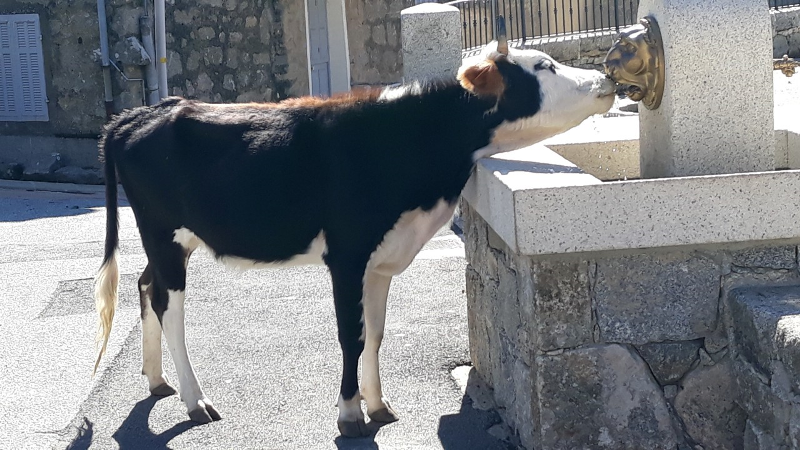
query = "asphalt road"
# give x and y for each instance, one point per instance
(263, 344)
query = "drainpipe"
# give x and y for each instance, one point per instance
(151, 74)
(161, 48)
(108, 95)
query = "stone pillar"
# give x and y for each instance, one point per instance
(716, 115)
(431, 41)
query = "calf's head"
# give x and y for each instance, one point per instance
(536, 96)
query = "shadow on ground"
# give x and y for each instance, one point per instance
(134, 433)
(469, 427)
(19, 205)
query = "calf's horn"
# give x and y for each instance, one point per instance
(502, 39)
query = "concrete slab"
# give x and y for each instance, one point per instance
(523, 198)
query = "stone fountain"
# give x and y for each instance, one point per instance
(656, 313)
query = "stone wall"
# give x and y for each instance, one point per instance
(225, 50)
(73, 82)
(656, 350)
(786, 32)
(373, 34)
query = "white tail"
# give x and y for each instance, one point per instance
(105, 297)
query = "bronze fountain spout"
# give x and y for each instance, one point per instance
(636, 63)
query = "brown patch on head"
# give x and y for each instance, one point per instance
(483, 79)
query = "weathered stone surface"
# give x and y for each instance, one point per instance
(431, 41)
(757, 439)
(766, 326)
(562, 304)
(228, 83)
(794, 427)
(669, 361)
(601, 397)
(784, 257)
(174, 66)
(212, 55)
(130, 52)
(658, 297)
(708, 409)
(754, 395)
(205, 33)
(717, 341)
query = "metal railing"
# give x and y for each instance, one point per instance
(531, 19)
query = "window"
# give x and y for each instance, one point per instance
(22, 92)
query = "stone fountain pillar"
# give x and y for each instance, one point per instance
(716, 115)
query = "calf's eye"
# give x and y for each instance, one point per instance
(545, 64)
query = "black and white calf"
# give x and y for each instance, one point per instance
(359, 183)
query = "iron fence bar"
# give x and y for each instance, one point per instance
(616, 16)
(480, 23)
(522, 16)
(555, 14)
(469, 23)
(572, 18)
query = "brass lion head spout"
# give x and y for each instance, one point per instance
(636, 63)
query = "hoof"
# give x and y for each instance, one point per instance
(204, 413)
(163, 390)
(384, 415)
(356, 428)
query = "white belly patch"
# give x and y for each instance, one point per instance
(410, 233)
(312, 256)
(397, 250)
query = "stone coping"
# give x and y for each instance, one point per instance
(539, 203)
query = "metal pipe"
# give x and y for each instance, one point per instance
(108, 96)
(151, 73)
(161, 48)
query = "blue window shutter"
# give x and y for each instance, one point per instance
(22, 91)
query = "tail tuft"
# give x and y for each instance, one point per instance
(105, 293)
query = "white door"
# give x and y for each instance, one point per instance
(319, 55)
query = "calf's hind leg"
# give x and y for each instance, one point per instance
(168, 261)
(151, 339)
(376, 290)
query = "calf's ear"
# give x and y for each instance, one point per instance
(483, 79)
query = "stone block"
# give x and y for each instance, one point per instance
(766, 327)
(793, 148)
(193, 61)
(692, 132)
(656, 297)
(784, 257)
(754, 396)
(562, 310)
(477, 325)
(794, 45)
(601, 397)
(708, 409)
(212, 55)
(781, 150)
(780, 46)
(174, 65)
(670, 361)
(794, 427)
(206, 33)
(757, 439)
(431, 41)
